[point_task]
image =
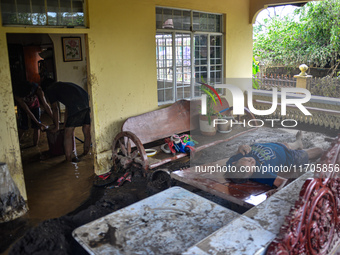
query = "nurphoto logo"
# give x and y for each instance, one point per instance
(238, 105)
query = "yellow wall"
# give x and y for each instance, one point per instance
(73, 71)
(122, 66)
(9, 143)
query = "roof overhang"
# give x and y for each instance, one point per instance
(255, 6)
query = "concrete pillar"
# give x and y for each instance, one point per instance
(303, 80)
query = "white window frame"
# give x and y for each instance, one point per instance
(173, 32)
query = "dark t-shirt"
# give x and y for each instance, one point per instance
(71, 95)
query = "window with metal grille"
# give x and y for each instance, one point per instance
(189, 48)
(43, 12)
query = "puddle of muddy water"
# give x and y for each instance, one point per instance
(54, 187)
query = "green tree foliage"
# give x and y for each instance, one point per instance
(311, 36)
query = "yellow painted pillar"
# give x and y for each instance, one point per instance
(303, 80)
(9, 141)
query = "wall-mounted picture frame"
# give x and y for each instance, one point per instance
(72, 49)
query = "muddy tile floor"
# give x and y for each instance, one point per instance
(61, 195)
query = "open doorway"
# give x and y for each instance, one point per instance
(35, 57)
(31, 57)
(54, 187)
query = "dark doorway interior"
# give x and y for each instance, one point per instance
(31, 57)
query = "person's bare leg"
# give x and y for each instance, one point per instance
(314, 153)
(87, 138)
(74, 148)
(36, 136)
(68, 143)
(297, 145)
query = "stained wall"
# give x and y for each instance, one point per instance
(121, 66)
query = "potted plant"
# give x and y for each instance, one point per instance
(206, 121)
(223, 125)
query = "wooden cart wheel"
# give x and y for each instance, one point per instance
(127, 149)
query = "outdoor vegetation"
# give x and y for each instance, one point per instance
(307, 35)
(310, 35)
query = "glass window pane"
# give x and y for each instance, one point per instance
(180, 93)
(160, 95)
(52, 12)
(77, 6)
(77, 13)
(164, 67)
(183, 61)
(159, 17)
(38, 12)
(219, 23)
(216, 74)
(181, 20)
(196, 21)
(168, 85)
(203, 21)
(215, 50)
(207, 22)
(161, 74)
(183, 92)
(65, 5)
(65, 13)
(177, 19)
(167, 19)
(8, 11)
(165, 95)
(41, 12)
(172, 19)
(169, 95)
(211, 22)
(200, 72)
(160, 84)
(24, 12)
(201, 49)
(186, 20)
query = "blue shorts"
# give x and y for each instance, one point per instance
(23, 118)
(300, 157)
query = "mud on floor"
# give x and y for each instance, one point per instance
(54, 236)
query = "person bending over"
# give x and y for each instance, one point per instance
(29, 96)
(251, 160)
(76, 101)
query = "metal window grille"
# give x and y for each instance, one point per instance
(189, 47)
